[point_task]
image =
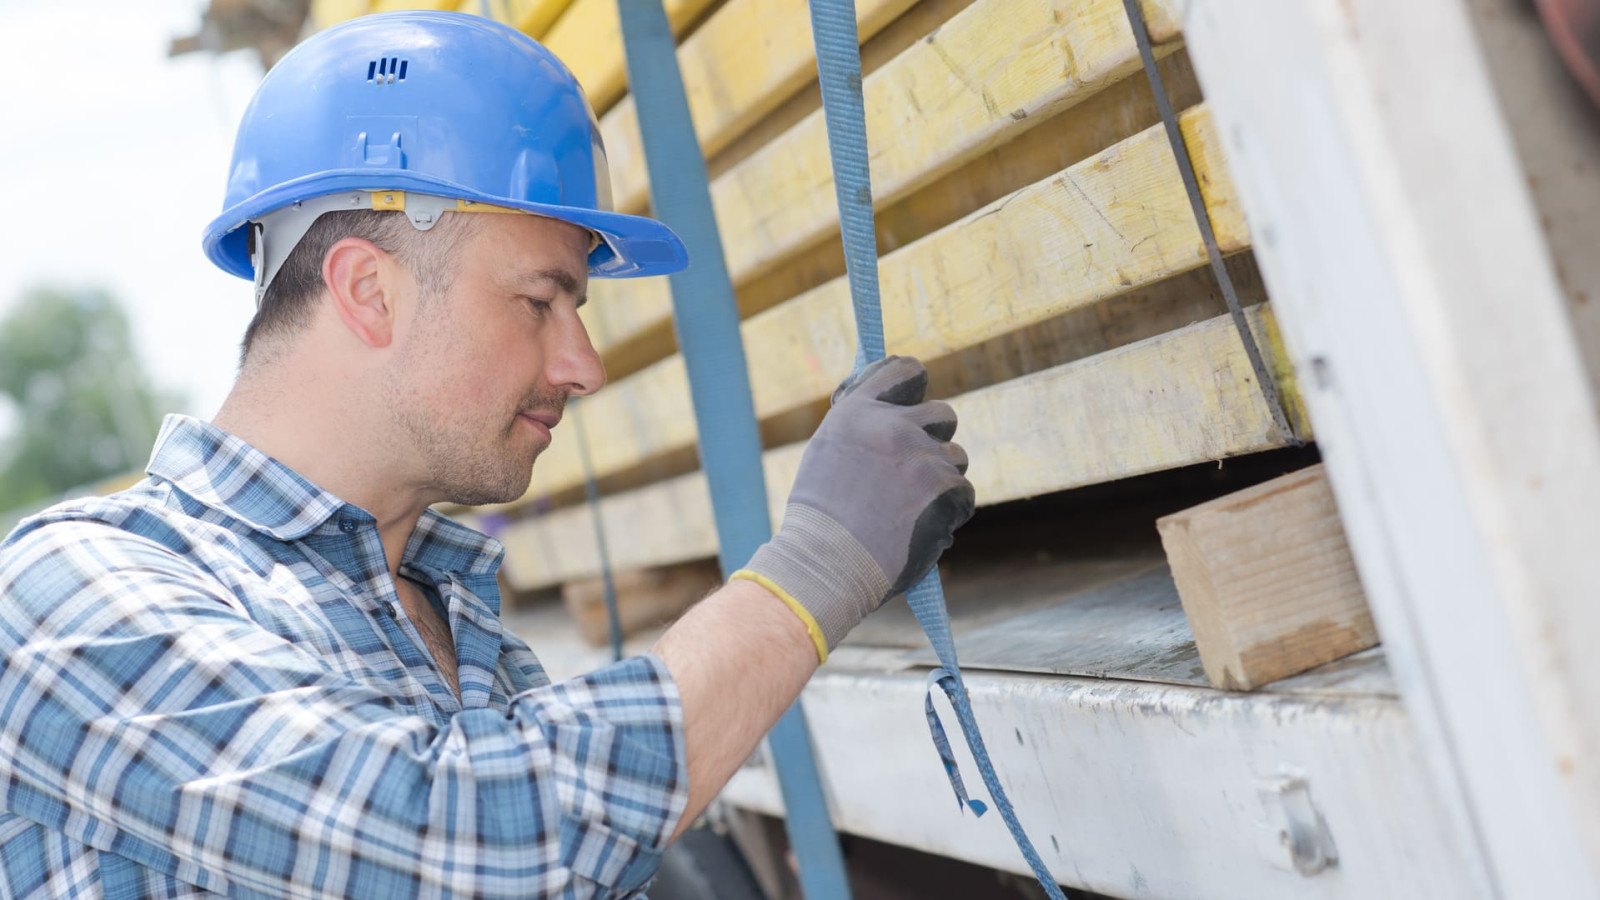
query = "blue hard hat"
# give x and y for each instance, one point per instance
(430, 103)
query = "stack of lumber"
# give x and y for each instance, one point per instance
(1038, 250)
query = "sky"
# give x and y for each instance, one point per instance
(112, 160)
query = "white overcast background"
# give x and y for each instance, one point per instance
(112, 160)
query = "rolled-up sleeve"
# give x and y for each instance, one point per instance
(144, 714)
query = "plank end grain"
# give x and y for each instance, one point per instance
(1267, 581)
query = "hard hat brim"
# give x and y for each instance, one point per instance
(631, 246)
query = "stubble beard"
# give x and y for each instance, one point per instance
(482, 462)
(473, 460)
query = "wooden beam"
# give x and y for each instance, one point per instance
(923, 18)
(1267, 581)
(1117, 221)
(631, 325)
(620, 311)
(327, 13)
(1113, 115)
(646, 598)
(401, 5)
(1174, 400)
(992, 72)
(748, 57)
(588, 38)
(534, 17)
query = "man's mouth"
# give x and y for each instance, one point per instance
(542, 421)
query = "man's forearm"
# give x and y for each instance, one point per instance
(740, 658)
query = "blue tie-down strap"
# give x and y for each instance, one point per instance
(833, 27)
(927, 602)
(941, 741)
(707, 321)
(956, 689)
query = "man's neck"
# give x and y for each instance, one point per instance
(329, 438)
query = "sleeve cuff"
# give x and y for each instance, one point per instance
(641, 769)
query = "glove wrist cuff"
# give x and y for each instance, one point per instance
(826, 573)
(812, 628)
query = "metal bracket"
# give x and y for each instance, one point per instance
(275, 235)
(1296, 835)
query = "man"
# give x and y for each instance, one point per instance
(270, 670)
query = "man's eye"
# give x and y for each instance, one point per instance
(539, 306)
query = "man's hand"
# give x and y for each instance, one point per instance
(880, 491)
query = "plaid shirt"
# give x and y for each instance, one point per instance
(207, 685)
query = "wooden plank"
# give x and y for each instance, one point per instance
(631, 326)
(922, 19)
(327, 13)
(620, 311)
(1459, 427)
(1116, 221)
(1139, 314)
(398, 5)
(1174, 400)
(646, 598)
(1113, 115)
(924, 121)
(748, 57)
(992, 72)
(588, 38)
(664, 523)
(534, 17)
(1267, 581)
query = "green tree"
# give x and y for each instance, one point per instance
(83, 408)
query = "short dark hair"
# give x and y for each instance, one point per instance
(287, 305)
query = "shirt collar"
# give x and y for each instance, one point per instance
(229, 475)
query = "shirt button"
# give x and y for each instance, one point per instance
(389, 608)
(348, 526)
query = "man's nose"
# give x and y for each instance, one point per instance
(573, 363)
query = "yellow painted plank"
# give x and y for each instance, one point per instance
(619, 309)
(988, 74)
(1178, 399)
(327, 13)
(394, 5)
(746, 59)
(966, 88)
(631, 325)
(1182, 398)
(534, 17)
(588, 38)
(1111, 223)
(645, 598)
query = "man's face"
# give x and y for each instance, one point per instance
(483, 372)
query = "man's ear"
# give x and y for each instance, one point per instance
(360, 280)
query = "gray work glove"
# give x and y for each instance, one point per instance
(880, 491)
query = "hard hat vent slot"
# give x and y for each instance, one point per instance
(387, 70)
